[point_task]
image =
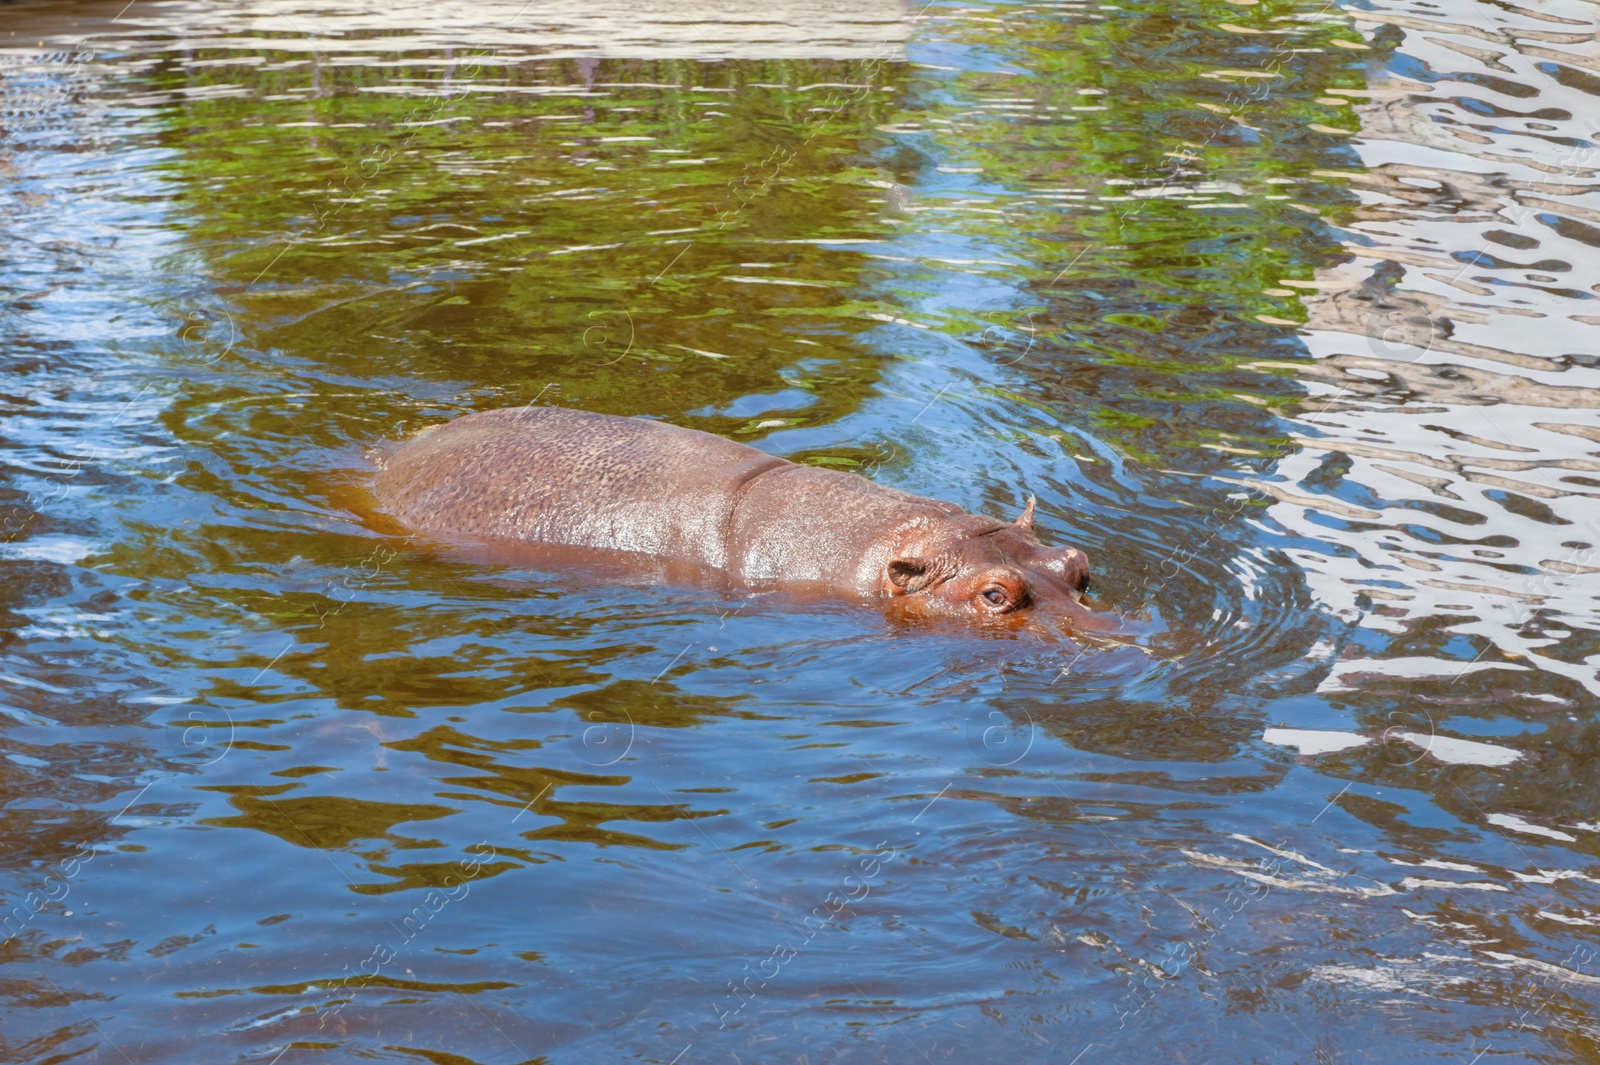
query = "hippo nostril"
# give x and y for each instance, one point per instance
(1068, 565)
(1077, 568)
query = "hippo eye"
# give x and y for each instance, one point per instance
(995, 595)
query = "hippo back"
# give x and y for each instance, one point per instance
(558, 476)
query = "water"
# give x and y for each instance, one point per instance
(1284, 311)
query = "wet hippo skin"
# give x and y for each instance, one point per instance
(550, 475)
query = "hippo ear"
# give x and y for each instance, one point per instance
(1026, 520)
(909, 574)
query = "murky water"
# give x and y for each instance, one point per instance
(1285, 310)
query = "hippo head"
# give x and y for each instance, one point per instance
(969, 566)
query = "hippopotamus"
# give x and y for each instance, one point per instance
(558, 476)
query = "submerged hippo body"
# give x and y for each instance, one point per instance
(549, 475)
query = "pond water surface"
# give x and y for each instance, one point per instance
(1285, 310)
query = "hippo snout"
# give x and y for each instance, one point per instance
(1075, 568)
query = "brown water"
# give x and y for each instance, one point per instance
(1284, 310)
